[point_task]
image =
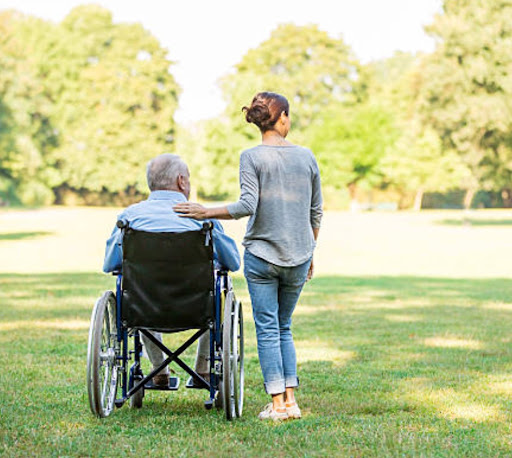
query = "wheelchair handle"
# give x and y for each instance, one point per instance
(121, 224)
(207, 226)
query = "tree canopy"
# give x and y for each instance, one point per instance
(467, 88)
(84, 103)
(97, 101)
(313, 70)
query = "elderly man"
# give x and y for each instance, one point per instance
(169, 182)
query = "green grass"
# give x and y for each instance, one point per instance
(8, 236)
(390, 365)
(476, 222)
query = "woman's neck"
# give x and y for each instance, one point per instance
(273, 138)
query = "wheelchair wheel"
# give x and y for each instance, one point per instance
(102, 353)
(233, 358)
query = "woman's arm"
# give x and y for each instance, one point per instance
(316, 212)
(246, 206)
(311, 270)
(197, 211)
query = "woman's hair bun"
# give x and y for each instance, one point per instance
(257, 113)
(265, 110)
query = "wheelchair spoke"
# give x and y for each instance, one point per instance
(112, 392)
(105, 386)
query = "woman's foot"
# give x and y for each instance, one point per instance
(268, 413)
(293, 411)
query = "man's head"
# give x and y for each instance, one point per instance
(168, 172)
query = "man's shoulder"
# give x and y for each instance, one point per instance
(158, 216)
(133, 208)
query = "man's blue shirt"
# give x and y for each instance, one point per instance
(156, 215)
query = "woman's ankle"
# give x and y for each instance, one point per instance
(289, 396)
(278, 403)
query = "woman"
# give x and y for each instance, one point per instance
(280, 191)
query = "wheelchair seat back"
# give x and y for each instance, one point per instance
(168, 282)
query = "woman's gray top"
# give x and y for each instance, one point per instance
(280, 190)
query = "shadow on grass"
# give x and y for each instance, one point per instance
(475, 222)
(10, 236)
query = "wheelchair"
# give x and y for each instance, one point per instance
(168, 284)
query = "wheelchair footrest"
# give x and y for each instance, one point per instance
(208, 404)
(174, 384)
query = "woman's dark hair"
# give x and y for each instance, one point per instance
(265, 110)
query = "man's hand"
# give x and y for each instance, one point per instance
(311, 271)
(191, 210)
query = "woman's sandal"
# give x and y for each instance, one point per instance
(293, 411)
(268, 413)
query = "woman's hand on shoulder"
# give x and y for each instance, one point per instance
(191, 210)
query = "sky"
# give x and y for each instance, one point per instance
(206, 38)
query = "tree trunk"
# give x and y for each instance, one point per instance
(468, 198)
(506, 195)
(352, 191)
(418, 199)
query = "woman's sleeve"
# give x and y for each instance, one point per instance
(316, 198)
(249, 190)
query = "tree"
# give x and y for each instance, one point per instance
(312, 69)
(116, 101)
(349, 143)
(107, 102)
(416, 162)
(468, 87)
(26, 131)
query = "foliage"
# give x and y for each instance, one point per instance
(26, 131)
(416, 162)
(85, 103)
(304, 63)
(350, 143)
(467, 88)
(104, 101)
(312, 69)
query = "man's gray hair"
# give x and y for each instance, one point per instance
(162, 171)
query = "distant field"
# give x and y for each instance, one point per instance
(428, 243)
(404, 344)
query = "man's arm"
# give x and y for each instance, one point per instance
(225, 249)
(114, 249)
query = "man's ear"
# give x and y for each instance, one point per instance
(181, 182)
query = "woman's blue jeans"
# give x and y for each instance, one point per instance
(274, 292)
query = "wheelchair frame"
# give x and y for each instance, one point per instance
(109, 353)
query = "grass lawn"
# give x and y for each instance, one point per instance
(404, 345)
